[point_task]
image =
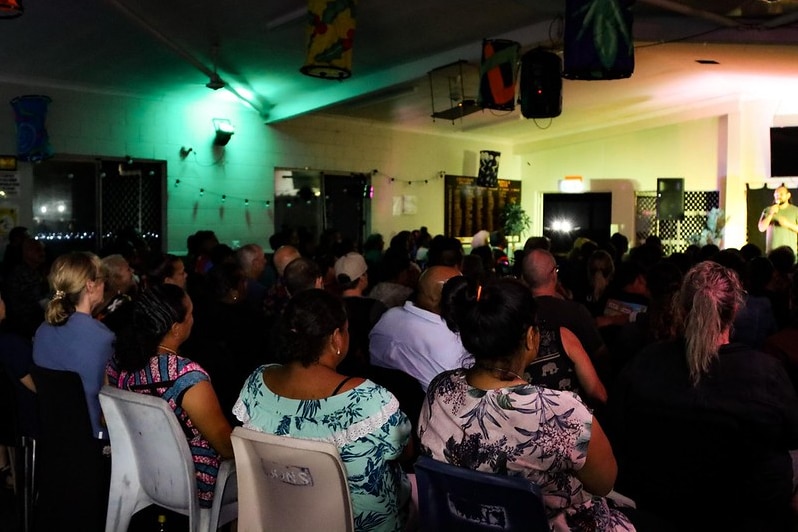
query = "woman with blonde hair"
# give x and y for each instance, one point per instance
(703, 426)
(70, 339)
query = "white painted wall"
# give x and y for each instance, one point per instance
(721, 149)
(623, 164)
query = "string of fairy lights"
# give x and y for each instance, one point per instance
(224, 197)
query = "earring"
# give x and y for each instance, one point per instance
(338, 352)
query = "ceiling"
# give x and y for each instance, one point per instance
(172, 48)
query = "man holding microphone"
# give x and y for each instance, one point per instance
(780, 220)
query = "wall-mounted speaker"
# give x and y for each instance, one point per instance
(670, 198)
(540, 93)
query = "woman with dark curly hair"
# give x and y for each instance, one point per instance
(306, 397)
(489, 418)
(147, 360)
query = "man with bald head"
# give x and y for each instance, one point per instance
(540, 274)
(282, 257)
(414, 338)
(277, 296)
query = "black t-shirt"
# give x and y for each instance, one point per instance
(363, 313)
(713, 455)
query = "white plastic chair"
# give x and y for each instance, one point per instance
(290, 484)
(151, 464)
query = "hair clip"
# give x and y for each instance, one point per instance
(59, 294)
(479, 292)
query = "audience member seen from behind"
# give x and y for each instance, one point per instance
(147, 361)
(397, 279)
(168, 269)
(306, 397)
(230, 337)
(302, 274)
(755, 320)
(561, 362)
(488, 418)
(783, 260)
(12, 256)
(362, 312)
(253, 262)
(120, 286)
(70, 339)
(702, 427)
(600, 269)
(26, 290)
(414, 338)
(656, 324)
(784, 343)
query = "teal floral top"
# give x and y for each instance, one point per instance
(523, 430)
(366, 425)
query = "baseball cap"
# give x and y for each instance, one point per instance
(352, 265)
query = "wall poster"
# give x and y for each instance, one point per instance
(469, 209)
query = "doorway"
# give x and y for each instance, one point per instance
(567, 217)
(314, 201)
(83, 203)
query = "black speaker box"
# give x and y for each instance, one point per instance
(670, 198)
(541, 84)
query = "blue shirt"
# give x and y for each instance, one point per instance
(83, 345)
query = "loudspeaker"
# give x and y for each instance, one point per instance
(598, 40)
(541, 84)
(670, 198)
(497, 74)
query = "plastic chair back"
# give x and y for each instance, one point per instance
(290, 484)
(152, 463)
(456, 498)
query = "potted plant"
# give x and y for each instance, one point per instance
(514, 220)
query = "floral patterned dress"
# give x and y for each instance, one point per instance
(524, 430)
(366, 425)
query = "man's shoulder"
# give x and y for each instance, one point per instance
(552, 302)
(408, 315)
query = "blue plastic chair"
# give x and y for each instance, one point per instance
(456, 498)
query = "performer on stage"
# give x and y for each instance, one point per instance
(780, 221)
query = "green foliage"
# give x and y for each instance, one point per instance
(514, 219)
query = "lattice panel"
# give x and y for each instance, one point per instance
(132, 201)
(675, 234)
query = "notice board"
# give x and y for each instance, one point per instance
(469, 209)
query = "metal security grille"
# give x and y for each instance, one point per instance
(676, 235)
(132, 198)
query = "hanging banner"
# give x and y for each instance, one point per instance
(498, 73)
(30, 112)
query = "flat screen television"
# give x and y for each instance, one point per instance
(784, 151)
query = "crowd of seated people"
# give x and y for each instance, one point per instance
(416, 319)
